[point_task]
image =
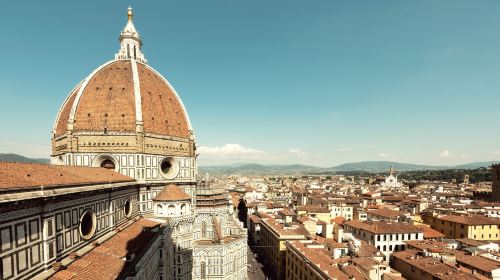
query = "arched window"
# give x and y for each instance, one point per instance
(203, 230)
(134, 52)
(171, 209)
(159, 209)
(385, 248)
(183, 209)
(128, 51)
(203, 270)
(107, 163)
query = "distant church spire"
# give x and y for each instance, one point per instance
(130, 41)
(391, 172)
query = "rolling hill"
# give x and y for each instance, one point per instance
(297, 169)
(19, 158)
(366, 166)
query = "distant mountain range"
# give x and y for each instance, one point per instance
(19, 158)
(366, 166)
(259, 169)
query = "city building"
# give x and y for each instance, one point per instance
(386, 237)
(414, 265)
(476, 227)
(307, 260)
(273, 236)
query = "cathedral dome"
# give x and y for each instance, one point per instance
(121, 96)
(126, 116)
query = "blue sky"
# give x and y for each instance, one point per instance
(313, 82)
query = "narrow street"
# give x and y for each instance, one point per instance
(254, 267)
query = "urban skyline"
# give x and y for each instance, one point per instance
(320, 84)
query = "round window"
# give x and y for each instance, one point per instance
(109, 164)
(127, 208)
(169, 167)
(166, 166)
(87, 224)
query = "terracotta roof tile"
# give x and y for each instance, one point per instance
(338, 220)
(162, 113)
(384, 212)
(430, 233)
(255, 219)
(471, 220)
(320, 257)
(383, 227)
(477, 262)
(16, 175)
(108, 101)
(172, 193)
(110, 264)
(432, 266)
(313, 209)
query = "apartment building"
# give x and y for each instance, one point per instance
(273, 235)
(474, 227)
(385, 236)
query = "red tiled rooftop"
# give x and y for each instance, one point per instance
(320, 257)
(107, 261)
(430, 233)
(478, 262)
(313, 209)
(286, 212)
(432, 266)
(162, 112)
(384, 212)
(17, 175)
(171, 193)
(383, 227)
(471, 220)
(338, 220)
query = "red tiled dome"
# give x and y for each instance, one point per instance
(107, 100)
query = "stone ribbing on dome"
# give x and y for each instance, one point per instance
(108, 100)
(162, 111)
(61, 123)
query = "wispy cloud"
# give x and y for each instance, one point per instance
(296, 152)
(445, 153)
(496, 153)
(236, 151)
(384, 155)
(345, 149)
